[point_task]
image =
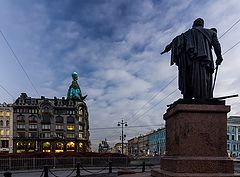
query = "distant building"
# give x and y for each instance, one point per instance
(145, 145)
(6, 132)
(50, 125)
(103, 147)
(133, 148)
(118, 148)
(233, 136)
(157, 142)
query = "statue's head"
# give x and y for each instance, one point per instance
(198, 22)
(75, 76)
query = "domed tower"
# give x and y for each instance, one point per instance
(76, 98)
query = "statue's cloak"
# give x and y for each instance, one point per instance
(191, 52)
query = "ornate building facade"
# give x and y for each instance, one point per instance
(6, 119)
(50, 125)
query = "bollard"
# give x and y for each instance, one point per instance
(143, 166)
(78, 170)
(110, 166)
(7, 174)
(45, 171)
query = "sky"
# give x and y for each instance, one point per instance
(114, 46)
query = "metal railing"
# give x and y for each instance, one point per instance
(70, 162)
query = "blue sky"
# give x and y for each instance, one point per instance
(114, 47)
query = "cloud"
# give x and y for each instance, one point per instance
(115, 48)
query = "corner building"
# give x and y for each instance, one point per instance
(50, 125)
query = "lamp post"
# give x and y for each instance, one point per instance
(123, 136)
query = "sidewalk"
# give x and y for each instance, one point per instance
(146, 174)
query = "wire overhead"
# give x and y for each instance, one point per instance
(7, 92)
(16, 57)
(230, 28)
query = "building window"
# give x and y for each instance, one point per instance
(70, 135)
(80, 135)
(59, 135)
(32, 118)
(70, 120)
(46, 126)
(1, 123)
(7, 114)
(70, 146)
(2, 132)
(21, 134)
(45, 135)
(228, 147)
(71, 127)
(234, 147)
(1, 113)
(7, 132)
(32, 126)
(59, 127)
(233, 137)
(228, 137)
(59, 119)
(80, 127)
(46, 147)
(7, 123)
(20, 126)
(5, 143)
(32, 134)
(21, 147)
(59, 147)
(20, 118)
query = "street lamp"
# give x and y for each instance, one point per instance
(123, 136)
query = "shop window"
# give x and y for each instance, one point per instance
(46, 147)
(70, 146)
(81, 148)
(59, 147)
(31, 146)
(21, 146)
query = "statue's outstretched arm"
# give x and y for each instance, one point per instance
(167, 48)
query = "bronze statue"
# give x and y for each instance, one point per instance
(191, 52)
(74, 91)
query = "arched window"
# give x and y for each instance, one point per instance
(1, 122)
(59, 119)
(20, 117)
(70, 120)
(7, 123)
(32, 118)
(70, 146)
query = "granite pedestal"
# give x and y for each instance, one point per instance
(196, 141)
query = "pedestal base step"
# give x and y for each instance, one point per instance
(162, 173)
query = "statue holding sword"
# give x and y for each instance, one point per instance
(191, 51)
